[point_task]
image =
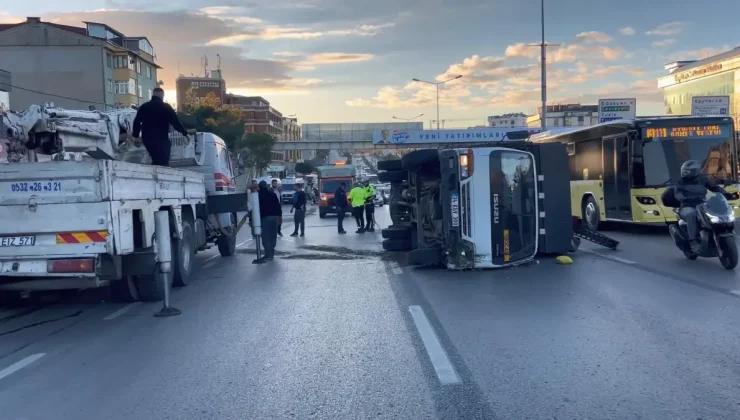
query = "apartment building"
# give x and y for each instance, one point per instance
(291, 132)
(91, 66)
(261, 117)
(518, 119)
(200, 87)
(566, 115)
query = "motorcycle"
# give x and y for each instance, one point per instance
(716, 225)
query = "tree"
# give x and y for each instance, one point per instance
(304, 167)
(258, 147)
(321, 155)
(210, 115)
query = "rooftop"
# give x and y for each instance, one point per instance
(675, 66)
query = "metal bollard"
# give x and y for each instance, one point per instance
(254, 204)
(164, 260)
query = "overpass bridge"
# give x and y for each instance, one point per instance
(385, 139)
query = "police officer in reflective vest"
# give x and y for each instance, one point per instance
(369, 206)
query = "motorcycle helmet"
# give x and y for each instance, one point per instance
(690, 169)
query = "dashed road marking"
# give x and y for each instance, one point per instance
(396, 268)
(437, 355)
(212, 257)
(611, 257)
(245, 242)
(15, 367)
(121, 311)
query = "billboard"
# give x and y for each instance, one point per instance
(446, 136)
(617, 109)
(201, 87)
(710, 105)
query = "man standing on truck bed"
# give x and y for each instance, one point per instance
(153, 121)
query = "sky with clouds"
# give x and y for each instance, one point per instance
(353, 60)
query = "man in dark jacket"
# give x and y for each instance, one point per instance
(270, 211)
(340, 201)
(153, 121)
(299, 205)
(690, 191)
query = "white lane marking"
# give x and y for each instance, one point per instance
(241, 244)
(611, 257)
(442, 365)
(213, 257)
(396, 268)
(15, 367)
(121, 311)
(209, 265)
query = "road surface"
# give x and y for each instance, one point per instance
(335, 329)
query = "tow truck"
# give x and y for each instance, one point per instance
(85, 217)
(484, 204)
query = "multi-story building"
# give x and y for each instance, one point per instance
(518, 119)
(200, 87)
(566, 115)
(261, 117)
(291, 132)
(5, 88)
(77, 67)
(718, 75)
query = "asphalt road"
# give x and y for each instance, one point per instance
(335, 329)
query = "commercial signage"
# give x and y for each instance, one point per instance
(446, 136)
(617, 109)
(710, 105)
(699, 72)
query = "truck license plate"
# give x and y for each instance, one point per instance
(17, 241)
(455, 210)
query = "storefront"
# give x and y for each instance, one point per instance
(713, 76)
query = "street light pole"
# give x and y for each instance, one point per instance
(543, 60)
(437, 86)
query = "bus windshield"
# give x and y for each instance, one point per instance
(666, 148)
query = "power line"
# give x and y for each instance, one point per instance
(54, 95)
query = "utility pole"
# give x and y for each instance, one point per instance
(543, 62)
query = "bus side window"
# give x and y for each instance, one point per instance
(588, 156)
(638, 163)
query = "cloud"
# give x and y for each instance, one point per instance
(307, 62)
(593, 36)
(298, 33)
(664, 42)
(667, 29)
(628, 30)
(504, 81)
(177, 37)
(700, 53)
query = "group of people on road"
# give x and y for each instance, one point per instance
(271, 214)
(362, 199)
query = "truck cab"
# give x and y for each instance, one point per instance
(478, 207)
(329, 179)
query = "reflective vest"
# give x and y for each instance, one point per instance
(369, 194)
(357, 196)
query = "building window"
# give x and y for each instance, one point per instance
(131, 63)
(111, 87)
(121, 87)
(149, 94)
(119, 61)
(108, 60)
(138, 66)
(149, 71)
(141, 92)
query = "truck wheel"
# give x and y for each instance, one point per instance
(227, 242)
(396, 244)
(124, 290)
(591, 213)
(396, 232)
(182, 255)
(151, 287)
(426, 256)
(414, 160)
(390, 165)
(392, 176)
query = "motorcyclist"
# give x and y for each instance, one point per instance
(690, 191)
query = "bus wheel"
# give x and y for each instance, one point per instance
(591, 214)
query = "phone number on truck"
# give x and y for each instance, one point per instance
(35, 186)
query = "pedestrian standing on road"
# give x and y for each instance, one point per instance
(276, 190)
(252, 188)
(369, 206)
(340, 201)
(299, 205)
(152, 122)
(357, 197)
(270, 212)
